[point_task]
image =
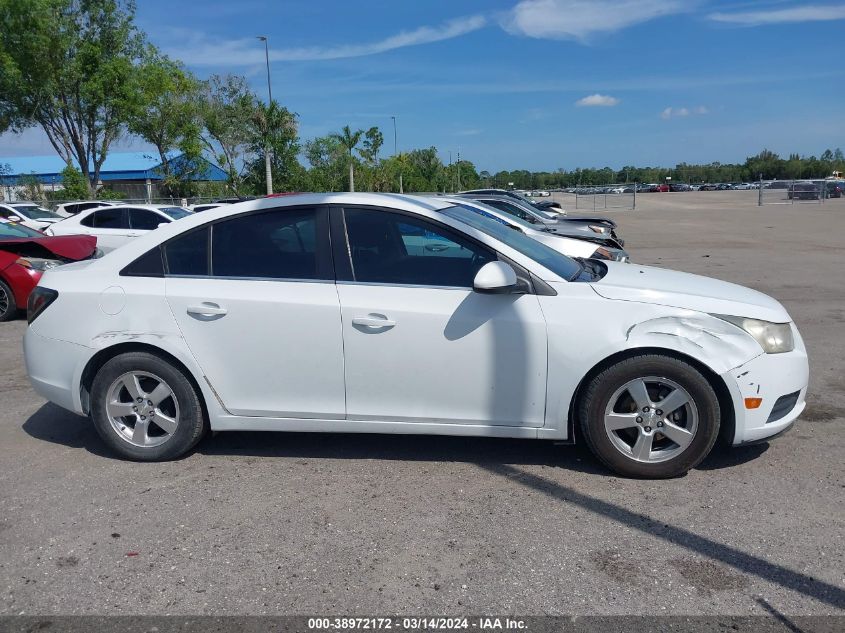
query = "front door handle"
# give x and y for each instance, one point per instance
(373, 321)
(207, 309)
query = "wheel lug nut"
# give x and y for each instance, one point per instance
(645, 409)
(659, 412)
(143, 417)
(647, 429)
(134, 408)
(660, 424)
(639, 420)
(139, 400)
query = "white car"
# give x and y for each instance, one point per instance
(72, 208)
(28, 214)
(204, 206)
(117, 225)
(569, 246)
(381, 313)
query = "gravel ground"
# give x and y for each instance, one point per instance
(357, 524)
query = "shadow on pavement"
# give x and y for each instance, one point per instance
(720, 552)
(58, 426)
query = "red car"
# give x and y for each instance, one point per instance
(24, 256)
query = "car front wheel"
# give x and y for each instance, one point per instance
(650, 416)
(146, 409)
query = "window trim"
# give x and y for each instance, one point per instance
(342, 251)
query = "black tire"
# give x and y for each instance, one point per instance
(598, 393)
(6, 297)
(190, 422)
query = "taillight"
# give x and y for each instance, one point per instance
(38, 301)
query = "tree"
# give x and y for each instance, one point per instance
(227, 111)
(166, 115)
(75, 187)
(30, 188)
(275, 127)
(68, 66)
(326, 156)
(349, 141)
(373, 140)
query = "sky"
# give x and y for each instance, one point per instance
(530, 84)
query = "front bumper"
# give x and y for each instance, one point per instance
(770, 377)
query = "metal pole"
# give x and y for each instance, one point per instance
(268, 171)
(760, 190)
(458, 171)
(634, 208)
(396, 153)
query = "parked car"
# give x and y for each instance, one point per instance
(679, 186)
(24, 256)
(707, 187)
(833, 188)
(28, 214)
(663, 188)
(804, 191)
(207, 206)
(72, 208)
(569, 246)
(590, 229)
(389, 314)
(116, 225)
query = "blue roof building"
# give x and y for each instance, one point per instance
(126, 167)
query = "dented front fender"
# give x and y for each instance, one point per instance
(716, 343)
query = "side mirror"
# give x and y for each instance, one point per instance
(14, 218)
(161, 224)
(495, 278)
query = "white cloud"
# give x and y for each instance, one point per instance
(808, 13)
(597, 100)
(579, 19)
(680, 113)
(199, 50)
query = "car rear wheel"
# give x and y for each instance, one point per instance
(8, 307)
(650, 416)
(146, 409)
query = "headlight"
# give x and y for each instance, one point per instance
(613, 254)
(37, 263)
(774, 338)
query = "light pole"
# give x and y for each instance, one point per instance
(396, 153)
(268, 172)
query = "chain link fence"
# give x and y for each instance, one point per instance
(798, 191)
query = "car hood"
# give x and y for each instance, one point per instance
(648, 284)
(70, 247)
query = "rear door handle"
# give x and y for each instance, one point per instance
(373, 321)
(207, 309)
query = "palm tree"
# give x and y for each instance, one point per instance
(349, 140)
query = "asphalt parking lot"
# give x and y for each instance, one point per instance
(358, 524)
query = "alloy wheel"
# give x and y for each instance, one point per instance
(142, 409)
(651, 419)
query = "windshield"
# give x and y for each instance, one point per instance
(34, 212)
(177, 213)
(7, 229)
(559, 264)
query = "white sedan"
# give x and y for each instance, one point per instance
(28, 214)
(369, 313)
(117, 225)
